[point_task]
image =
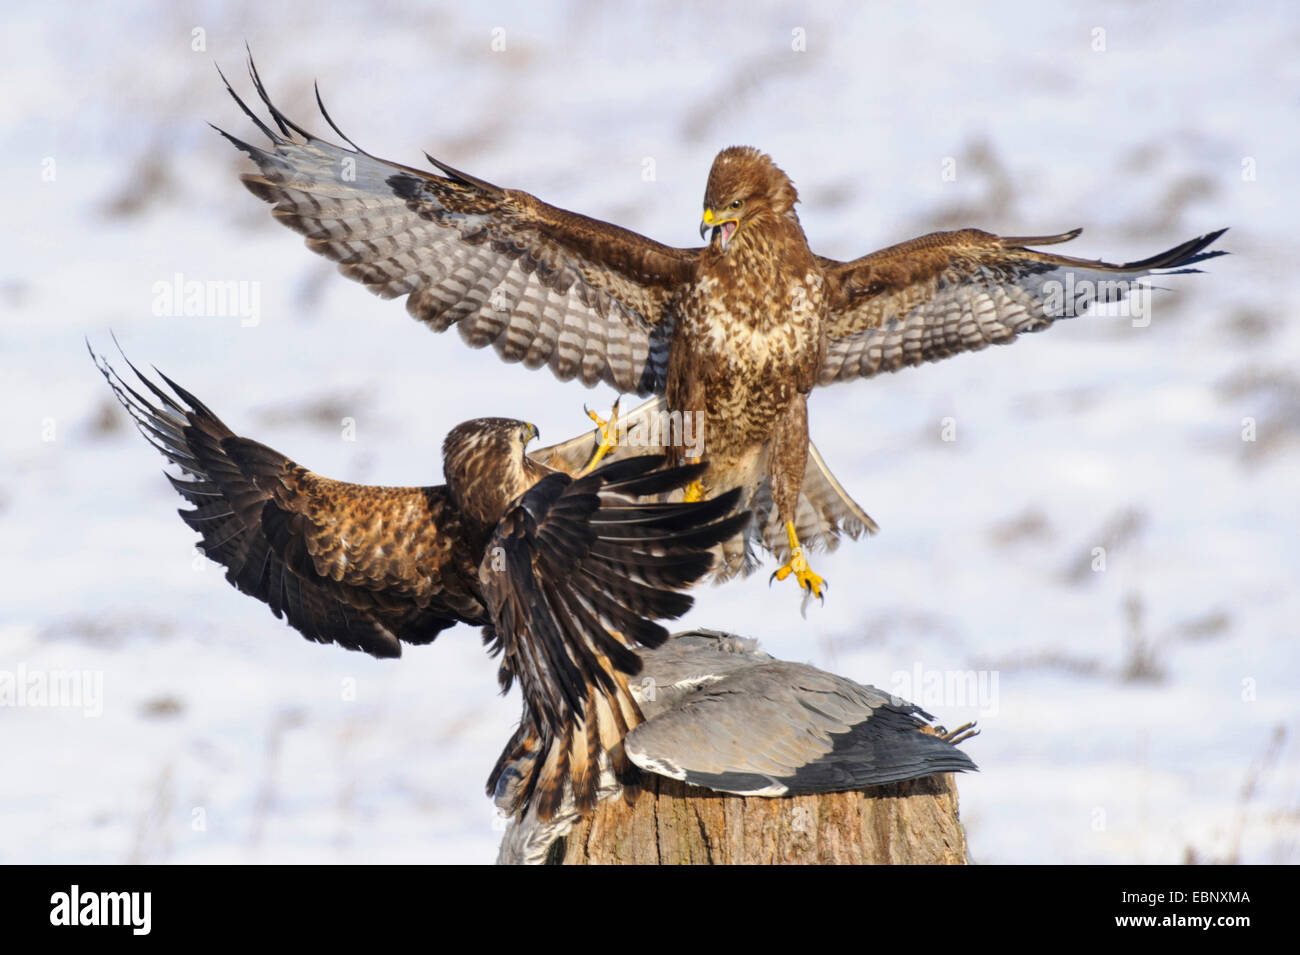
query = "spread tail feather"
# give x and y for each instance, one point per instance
(824, 514)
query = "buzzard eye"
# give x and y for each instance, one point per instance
(736, 204)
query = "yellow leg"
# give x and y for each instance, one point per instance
(608, 437)
(798, 566)
(694, 492)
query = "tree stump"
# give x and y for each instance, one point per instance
(670, 823)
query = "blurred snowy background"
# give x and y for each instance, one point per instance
(1146, 712)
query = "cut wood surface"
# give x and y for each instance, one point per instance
(670, 823)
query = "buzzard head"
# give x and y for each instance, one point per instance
(485, 467)
(744, 187)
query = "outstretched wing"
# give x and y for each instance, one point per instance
(541, 285)
(575, 576)
(364, 567)
(950, 292)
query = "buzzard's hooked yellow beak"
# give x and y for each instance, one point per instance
(725, 228)
(530, 432)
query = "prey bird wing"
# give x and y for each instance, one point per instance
(541, 285)
(950, 292)
(732, 719)
(722, 714)
(640, 432)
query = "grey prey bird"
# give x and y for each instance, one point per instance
(565, 575)
(722, 714)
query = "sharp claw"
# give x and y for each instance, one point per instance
(959, 735)
(605, 442)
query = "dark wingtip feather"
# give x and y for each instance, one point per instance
(320, 104)
(730, 499)
(253, 153)
(194, 403)
(654, 635)
(144, 404)
(614, 473)
(462, 177)
(649, 476)
(286, 125)
(247, 110)
(1201, 243)
(1184, 254)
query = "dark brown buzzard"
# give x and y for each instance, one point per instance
(565, 576)
(739, 331)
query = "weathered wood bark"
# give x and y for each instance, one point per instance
(670, 823)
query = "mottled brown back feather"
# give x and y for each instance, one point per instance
(261, 516)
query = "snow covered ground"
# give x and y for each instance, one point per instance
(1146, 712)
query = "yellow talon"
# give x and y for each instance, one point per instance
(694, 492)
(608, 436)
(798, 565)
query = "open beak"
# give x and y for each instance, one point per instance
(724, 228)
